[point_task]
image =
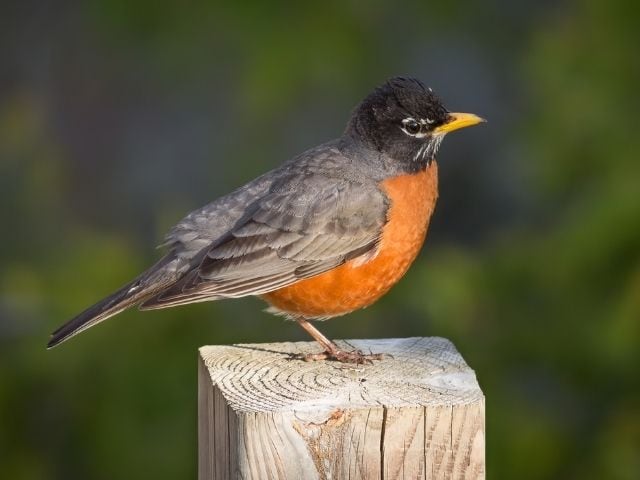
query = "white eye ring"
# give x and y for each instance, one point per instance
(411, 126)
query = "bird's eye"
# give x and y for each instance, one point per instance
(411, 126)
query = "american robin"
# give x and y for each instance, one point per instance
(326, 233)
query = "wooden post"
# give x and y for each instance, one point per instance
(264, 415)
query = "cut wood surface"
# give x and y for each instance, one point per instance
(419, 413)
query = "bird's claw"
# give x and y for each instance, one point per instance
(356, 357)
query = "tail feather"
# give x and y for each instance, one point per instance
(128, 296)
(112, 305)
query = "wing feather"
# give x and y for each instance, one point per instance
(292, 233)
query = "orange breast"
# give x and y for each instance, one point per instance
(360, 282)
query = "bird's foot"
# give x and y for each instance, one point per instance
(355, 357)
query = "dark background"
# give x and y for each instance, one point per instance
(119, 117)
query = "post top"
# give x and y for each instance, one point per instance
(420, 371)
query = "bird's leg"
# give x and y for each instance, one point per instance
(331, 350)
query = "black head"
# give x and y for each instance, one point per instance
(405, 120)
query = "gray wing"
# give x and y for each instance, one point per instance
(206, 225)
(305, 225)
(291, 223)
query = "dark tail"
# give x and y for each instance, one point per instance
(128, 296)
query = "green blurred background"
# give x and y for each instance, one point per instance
(118, 117)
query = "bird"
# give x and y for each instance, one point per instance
(324, 234)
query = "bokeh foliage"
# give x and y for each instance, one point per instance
(118, 117)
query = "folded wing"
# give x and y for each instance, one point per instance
(304, 226)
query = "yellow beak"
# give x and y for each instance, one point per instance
(457, 121)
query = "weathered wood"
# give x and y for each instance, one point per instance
(262, 415)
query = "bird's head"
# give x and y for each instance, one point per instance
(406, 121)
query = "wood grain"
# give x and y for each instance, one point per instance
(417, 414)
